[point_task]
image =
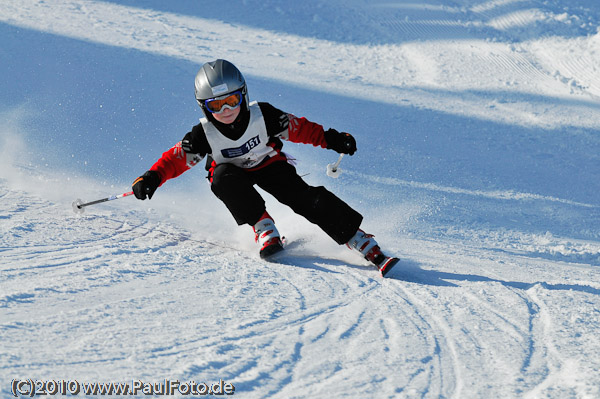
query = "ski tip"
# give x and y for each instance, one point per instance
(387, 265)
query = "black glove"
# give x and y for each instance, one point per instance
(146, 185)
(342, 143)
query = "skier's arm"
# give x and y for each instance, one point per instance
(172, 163)
(183, 155)
(301, 130)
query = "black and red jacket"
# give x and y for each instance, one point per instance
(280, 126)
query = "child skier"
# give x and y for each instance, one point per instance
(242, 143)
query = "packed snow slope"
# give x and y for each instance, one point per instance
(478, 164)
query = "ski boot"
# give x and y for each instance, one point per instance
(267, 236)
(366, 245)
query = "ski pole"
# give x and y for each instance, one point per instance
(78, 204)
(332, 168)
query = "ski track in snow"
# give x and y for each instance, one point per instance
(498, 290)
(448, 325)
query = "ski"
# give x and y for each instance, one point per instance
(386, 265)
(270, 251)
(278, 253)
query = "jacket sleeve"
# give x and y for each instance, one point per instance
(291, 128)
(176, 160)
(172, 163)
(301, 130)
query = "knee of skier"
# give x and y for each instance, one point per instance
(224, 176)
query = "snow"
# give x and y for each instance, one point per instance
(477, 128)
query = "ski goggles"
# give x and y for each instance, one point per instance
(230, 101)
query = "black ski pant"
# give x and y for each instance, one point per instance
(235, 187)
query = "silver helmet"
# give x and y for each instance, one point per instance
(218, 78)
